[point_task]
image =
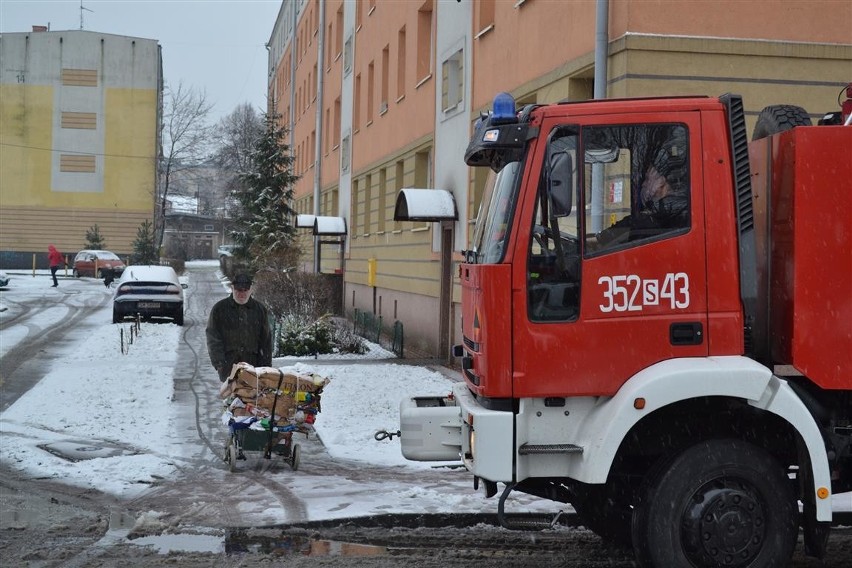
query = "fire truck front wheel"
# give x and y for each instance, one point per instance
(719, 503)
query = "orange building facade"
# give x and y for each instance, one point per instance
(381, 95)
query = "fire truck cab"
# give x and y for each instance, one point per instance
(657, 325)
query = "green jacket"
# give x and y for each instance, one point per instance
(238, 333)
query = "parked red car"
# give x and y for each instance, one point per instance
(95, 262)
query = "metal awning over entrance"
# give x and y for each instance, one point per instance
(413, 204)
(324, 226)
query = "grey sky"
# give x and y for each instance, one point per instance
(214, 46)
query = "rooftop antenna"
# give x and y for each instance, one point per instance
(81, 13)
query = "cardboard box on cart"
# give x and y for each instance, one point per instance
(267, 392)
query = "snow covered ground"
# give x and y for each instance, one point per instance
(95, 395)
(93, 392)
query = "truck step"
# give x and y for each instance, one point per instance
(527, 523)
(524, 522)
(533, 449)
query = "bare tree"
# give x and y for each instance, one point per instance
(236, 137)
(185, 142)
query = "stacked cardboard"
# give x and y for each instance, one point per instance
(261, 396)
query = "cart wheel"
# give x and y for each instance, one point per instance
(295, 454)
(232, 457)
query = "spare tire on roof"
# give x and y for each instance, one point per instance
(778, 118)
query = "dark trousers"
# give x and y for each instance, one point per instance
(53, 270)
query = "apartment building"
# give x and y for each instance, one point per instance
(381, 95)
(79, 116)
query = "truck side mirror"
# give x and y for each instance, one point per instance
(561, 184)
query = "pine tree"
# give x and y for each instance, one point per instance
(266, 231)
(144, 251)
(94, 240)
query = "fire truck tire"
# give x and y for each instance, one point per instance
(778, 118)
(719, 503)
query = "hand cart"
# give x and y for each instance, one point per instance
(276, 440)
(255, 419)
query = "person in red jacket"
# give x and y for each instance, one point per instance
(56, 260)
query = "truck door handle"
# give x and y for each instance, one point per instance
(686, 333)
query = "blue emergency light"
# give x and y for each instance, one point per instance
(504, 109)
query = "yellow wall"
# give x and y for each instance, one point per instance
(131, 162)
(25, 146)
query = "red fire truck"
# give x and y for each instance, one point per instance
(657, 322)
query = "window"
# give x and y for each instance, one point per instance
(383, 189)
(77, 163)
(553, 262)
(336, 131)
(368, 203)
(356, 194)
(79, 120)
(327, 131)
(371, 75)
(80, 77)
(642, 183)
(398, 184)
(424, 40)
(338, 37)
(484, 16)
(423, 173)
(356, 106)
(383, 107)
(328, 52)
(452, 81)
(347, 56)
(495, 213)
(400, 64)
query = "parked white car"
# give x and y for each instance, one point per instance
(149, 292)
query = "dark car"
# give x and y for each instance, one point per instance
(96, 263)
(149, 292)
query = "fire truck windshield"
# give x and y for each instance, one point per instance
(495, 214)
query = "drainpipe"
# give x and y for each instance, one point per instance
(601, 47)
(318, 148)
(293, 47)
(601, 53)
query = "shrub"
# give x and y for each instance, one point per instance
(301, 337)
(347, 341)
(292, 293)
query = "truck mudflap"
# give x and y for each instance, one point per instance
(430, 429)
